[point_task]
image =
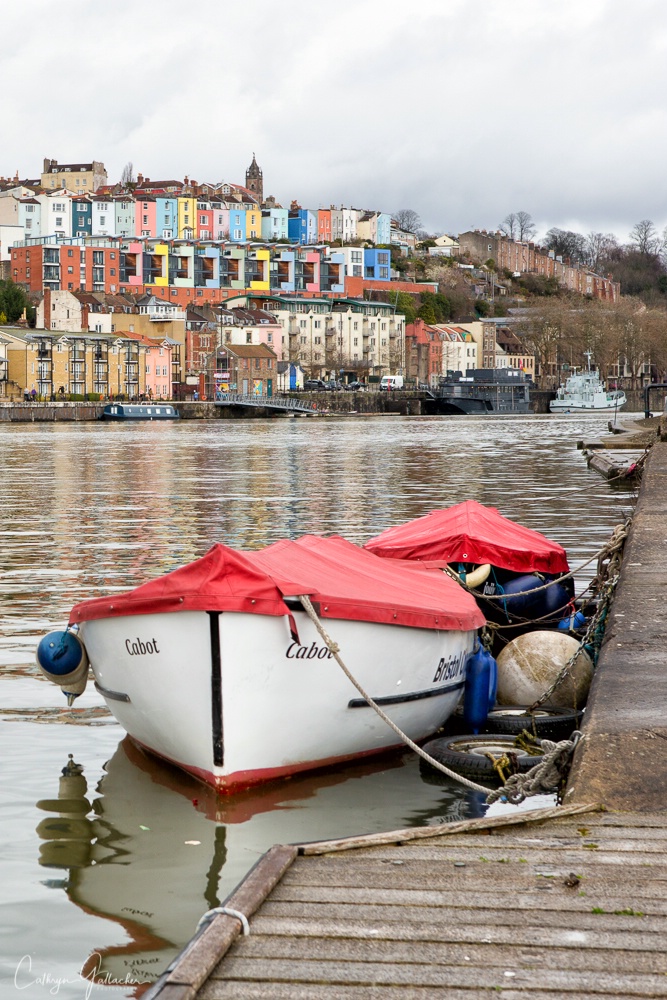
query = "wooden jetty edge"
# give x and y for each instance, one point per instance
(567, 902)
(622, 760)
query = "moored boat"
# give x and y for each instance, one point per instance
(140, 411)
(217, 668)
(483, 390)
(505, 564)
(584, 391)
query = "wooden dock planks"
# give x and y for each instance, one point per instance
(567, 907)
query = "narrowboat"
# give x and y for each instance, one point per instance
(140, 411)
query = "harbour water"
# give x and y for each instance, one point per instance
(109, 873)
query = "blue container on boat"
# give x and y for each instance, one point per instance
(480, 688)
(572, 622)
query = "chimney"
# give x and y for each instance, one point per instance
(140, 179)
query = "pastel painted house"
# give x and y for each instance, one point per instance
(253, 224)
(125, 224)
(187, 217)
(237, 230)
(182, 265)
(158, 366)
(274, 225)
(30, 216)
(206, 263)
(146, 216)
(166, 216)
(103, 217)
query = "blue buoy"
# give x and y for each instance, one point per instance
(480, 688)
(62, 658)
(59, 654)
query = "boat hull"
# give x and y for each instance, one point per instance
(563, 406)
(235, 700)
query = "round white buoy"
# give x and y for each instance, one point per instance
(529, 664)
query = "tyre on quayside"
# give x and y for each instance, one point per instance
(467, 755)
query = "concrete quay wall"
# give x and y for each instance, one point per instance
(622, 760)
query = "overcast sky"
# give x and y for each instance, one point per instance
(463, 110)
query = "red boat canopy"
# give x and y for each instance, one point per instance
(469, 532)
(343, 581)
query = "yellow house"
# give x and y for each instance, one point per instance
(187, 217)
(253, 224)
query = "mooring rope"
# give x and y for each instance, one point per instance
(334, 648)
(534, 590)
(547, 776)
(544, 778)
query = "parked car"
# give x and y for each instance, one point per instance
(355, 386)
(314, 385)
(333, 386)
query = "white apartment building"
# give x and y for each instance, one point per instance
(56, 213)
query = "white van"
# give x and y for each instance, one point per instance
(391, 382)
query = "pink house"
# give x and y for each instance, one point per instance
(158, 366)
(145, 216)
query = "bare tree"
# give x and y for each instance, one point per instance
(525, 225)
(508, 227)
(408, 220)
(518, 226)
(599, 248)
(547, 332)
(127, 177)
(644, 238)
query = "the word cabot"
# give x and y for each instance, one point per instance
(312, 652)
(136, 647)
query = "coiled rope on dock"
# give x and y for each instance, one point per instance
(544, 778)
(547, 776)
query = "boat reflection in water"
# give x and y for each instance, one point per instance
(156, 849)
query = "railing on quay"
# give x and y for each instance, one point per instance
(272, 402)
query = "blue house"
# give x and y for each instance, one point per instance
(166, 218)
(237, 225)
(377, 265)
(297, 226)
(82, 217)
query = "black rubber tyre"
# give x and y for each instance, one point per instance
(465, 754)
(545, 723)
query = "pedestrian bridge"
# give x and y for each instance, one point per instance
(284, 403)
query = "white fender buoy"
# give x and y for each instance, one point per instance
(474, 578)
(529, 664)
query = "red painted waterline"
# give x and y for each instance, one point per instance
(239, 780)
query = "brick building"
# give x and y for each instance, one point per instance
(528, 258)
